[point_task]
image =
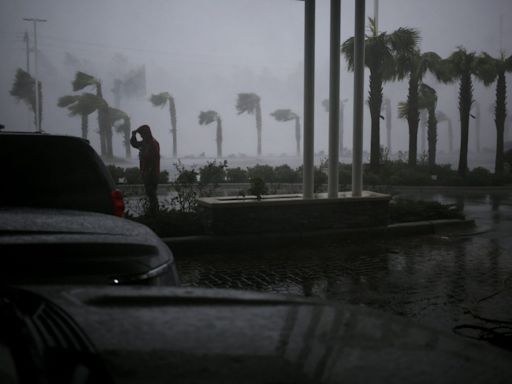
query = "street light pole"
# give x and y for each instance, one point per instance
(35, 21)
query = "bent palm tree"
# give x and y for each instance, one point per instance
(83, 80)
(417, 64)
(250, 103)
(160, 100)
(429, 102)
(81, 105)
(23, 89)
(122, 124)
(442, 117)
(461, 66)
(325, 104)
(384, 54)
(287, 115)
(489, 70)
(208, 117)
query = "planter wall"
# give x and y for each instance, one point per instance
(292, 213)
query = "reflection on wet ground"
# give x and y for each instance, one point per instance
(458, 280)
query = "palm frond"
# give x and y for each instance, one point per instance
(283, 114)
(247, 102)
(160, 99)
(403, 110)
(207, 117)
(83, 80)
(23, 88)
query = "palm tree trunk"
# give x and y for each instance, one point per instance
(388, 125)
(126, 142)
(465, 100)
(101, 124)
(432, 137)
(297, 134)
(413, 119)
(258, 127)
(172, 112)
(342, 106)
(375, 101)
(219, 137)
(500, 117)
(85, 125)
(450, 136)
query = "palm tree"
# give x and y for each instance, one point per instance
(250, 103)
(325, 104)
(461, 66)
(383, 55)
(23, 89)
(416, 65)
(442, 117)
(83, 80)
(208, 117)
(160, 100)
(122, 123)
(386, 105)
(428, 98)
(287, 115)
(81, 105)
(489, 70)
(426, 104)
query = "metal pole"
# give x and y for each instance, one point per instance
(376, 14)
(309, 99)
(36, 81)
(334, 98)
(357, 151)
(26, 39)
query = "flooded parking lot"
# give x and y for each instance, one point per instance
(460, 281)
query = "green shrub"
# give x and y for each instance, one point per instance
(285, 174)
(405, 210)
(236, 175)
(132, 175)
(479, 176)
(258, 187)
(264, 172)
(117, 173)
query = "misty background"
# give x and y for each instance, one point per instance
(205, 52)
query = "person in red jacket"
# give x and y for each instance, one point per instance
(149, 159)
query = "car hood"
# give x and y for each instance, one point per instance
(147, 335)
(65, 246)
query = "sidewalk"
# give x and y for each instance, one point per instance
(231, 243)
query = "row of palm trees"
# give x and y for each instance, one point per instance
(395, 56)
(388, 56)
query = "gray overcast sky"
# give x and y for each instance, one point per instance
(204, 52)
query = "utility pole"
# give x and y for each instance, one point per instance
(34, 22)
(26, 40)
(376, 14)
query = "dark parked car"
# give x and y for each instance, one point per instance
(56, 246)
(57, 219)
(175, 335)
(55, 171)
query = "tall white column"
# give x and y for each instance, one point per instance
(334, 98)
(357, 150)
(309, 100)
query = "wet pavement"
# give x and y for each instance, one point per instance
(454, 282)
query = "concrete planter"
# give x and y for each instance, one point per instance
(292, 213)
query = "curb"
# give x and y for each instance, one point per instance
(261, 241)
